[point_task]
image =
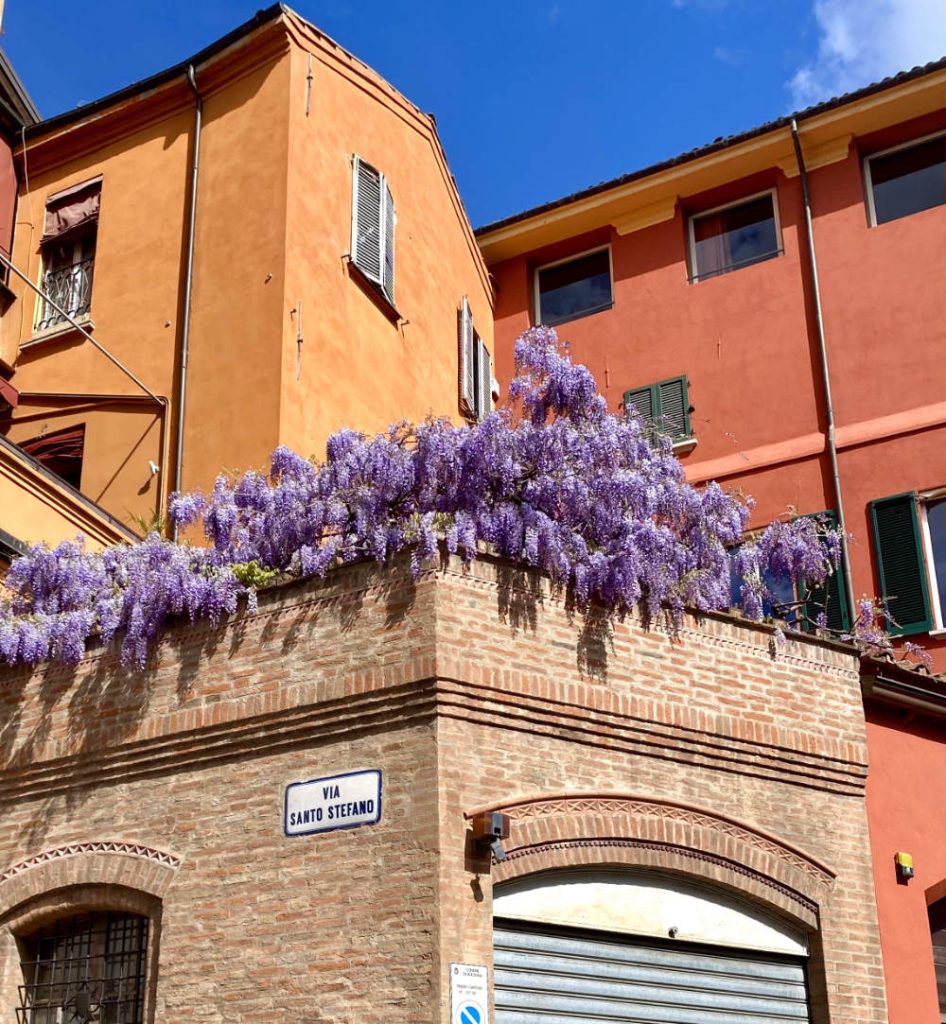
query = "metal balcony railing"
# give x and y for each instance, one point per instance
(70, 288)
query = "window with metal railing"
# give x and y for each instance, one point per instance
(67, 249)
(90, 967)
(67, 284)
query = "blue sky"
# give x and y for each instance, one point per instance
(534, 99)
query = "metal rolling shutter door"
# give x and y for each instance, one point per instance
(577, 977)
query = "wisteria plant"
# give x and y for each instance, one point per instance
(553, 481)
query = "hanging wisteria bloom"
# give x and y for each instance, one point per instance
(555, 482)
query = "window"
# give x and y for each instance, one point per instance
(10, 548)
(803, 607)
(476, 367)
(573, 288)
(664, 407)
(372, 227)
(937, 918)
(910, 545)
(906, 180)
(90, 967)
(60, 452)
(785, 605)
(829, 600)
(67, 249)
(734, 236)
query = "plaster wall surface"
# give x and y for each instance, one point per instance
(271, 267)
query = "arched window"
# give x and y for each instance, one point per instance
(84, 968)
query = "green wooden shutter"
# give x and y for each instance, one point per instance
(900, 563)
(831, 599)
(664, 407)
(674, 413)
(641, 399)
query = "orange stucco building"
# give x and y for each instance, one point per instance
(287, 307)
(691, 292)
(36, 504)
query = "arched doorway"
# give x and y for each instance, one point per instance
(641, 946)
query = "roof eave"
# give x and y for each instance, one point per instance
(519, 232)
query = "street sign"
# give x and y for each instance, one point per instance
(469, 994)
(333, 802)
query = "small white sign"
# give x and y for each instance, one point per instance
(337, 801)
(469, 994)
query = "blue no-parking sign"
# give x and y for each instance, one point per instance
(469, 994)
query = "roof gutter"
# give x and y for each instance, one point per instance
(887, 690)
(188, 281)
(825, 375)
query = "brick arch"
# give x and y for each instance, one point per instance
(106, 863)
(568, 830)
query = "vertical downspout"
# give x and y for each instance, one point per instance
(188, 282)
(825, 377)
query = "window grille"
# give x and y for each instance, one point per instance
(85, 968)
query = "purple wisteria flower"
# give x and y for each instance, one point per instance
(555, 482)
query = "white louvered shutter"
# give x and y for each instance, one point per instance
(467, 357)
(366, 223)
(484, 405)
(389, 220)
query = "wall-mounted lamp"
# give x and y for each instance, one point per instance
(489, 830)
(904, 862)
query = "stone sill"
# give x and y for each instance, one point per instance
(684, 445)
(59, 331)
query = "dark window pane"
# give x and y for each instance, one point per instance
(60, 452)
(936, 517)
(575, 288)
(909, 180)
(86, 968)
(783, 590)
(734, 237)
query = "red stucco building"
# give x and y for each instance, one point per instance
(775, 302)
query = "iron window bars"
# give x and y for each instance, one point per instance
(85, 968)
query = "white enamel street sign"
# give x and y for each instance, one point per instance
(469, 994)
(337, 801)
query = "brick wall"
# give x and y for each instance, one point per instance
(472, 688)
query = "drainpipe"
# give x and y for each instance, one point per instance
(188, 283)
(825, 376)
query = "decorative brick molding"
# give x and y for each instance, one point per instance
(90, 863)
(581, 830)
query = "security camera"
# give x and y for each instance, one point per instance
(154, 467)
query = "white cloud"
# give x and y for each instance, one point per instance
(862, 41)
(726, 55)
